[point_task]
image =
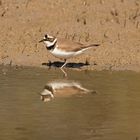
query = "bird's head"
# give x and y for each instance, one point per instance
(49, 41)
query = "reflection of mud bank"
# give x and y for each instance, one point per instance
(114, 24)
(62, 88)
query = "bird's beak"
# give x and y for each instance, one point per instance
(41, 40)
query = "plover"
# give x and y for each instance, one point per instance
(62, 88)
(64, 49)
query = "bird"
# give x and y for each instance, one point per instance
(63, 48)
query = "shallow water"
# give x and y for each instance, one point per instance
(93, 106)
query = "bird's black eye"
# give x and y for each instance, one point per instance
(46, 36)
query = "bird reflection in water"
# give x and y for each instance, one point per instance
(62, 88)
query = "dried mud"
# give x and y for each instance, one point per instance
(115, 24)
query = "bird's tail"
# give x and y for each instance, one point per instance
(92, 45)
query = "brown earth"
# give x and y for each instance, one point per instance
(115, 24)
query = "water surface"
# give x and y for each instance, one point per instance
(110, 110)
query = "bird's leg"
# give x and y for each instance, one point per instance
(49, 64)
(65, 62)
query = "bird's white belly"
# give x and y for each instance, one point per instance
(62, 54)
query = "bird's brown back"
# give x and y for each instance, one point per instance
(71, 46)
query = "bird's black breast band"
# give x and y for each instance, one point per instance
(51, 47)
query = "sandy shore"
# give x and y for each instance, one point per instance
(115, 24)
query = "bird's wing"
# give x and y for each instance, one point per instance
(71, 46)
(68, 45)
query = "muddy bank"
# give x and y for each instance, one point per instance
(115, 24)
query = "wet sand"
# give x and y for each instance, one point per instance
(115, 24)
